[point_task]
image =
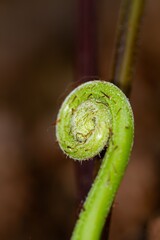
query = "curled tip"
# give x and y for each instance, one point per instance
(97, 116)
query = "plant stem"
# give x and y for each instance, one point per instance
(126, 43)
(123, 63)
(86, 69)
(86, 42)
(131, 13)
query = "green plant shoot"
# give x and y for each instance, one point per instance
(97, 116)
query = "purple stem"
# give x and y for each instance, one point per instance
(86, 69)
(86, 50)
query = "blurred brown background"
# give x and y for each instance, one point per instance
(37, 189)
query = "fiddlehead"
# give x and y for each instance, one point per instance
(95, 116)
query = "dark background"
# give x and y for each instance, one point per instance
(37, 183)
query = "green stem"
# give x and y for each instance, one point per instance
(94, 117)
(126, 42)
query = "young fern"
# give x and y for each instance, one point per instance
(97, 116)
